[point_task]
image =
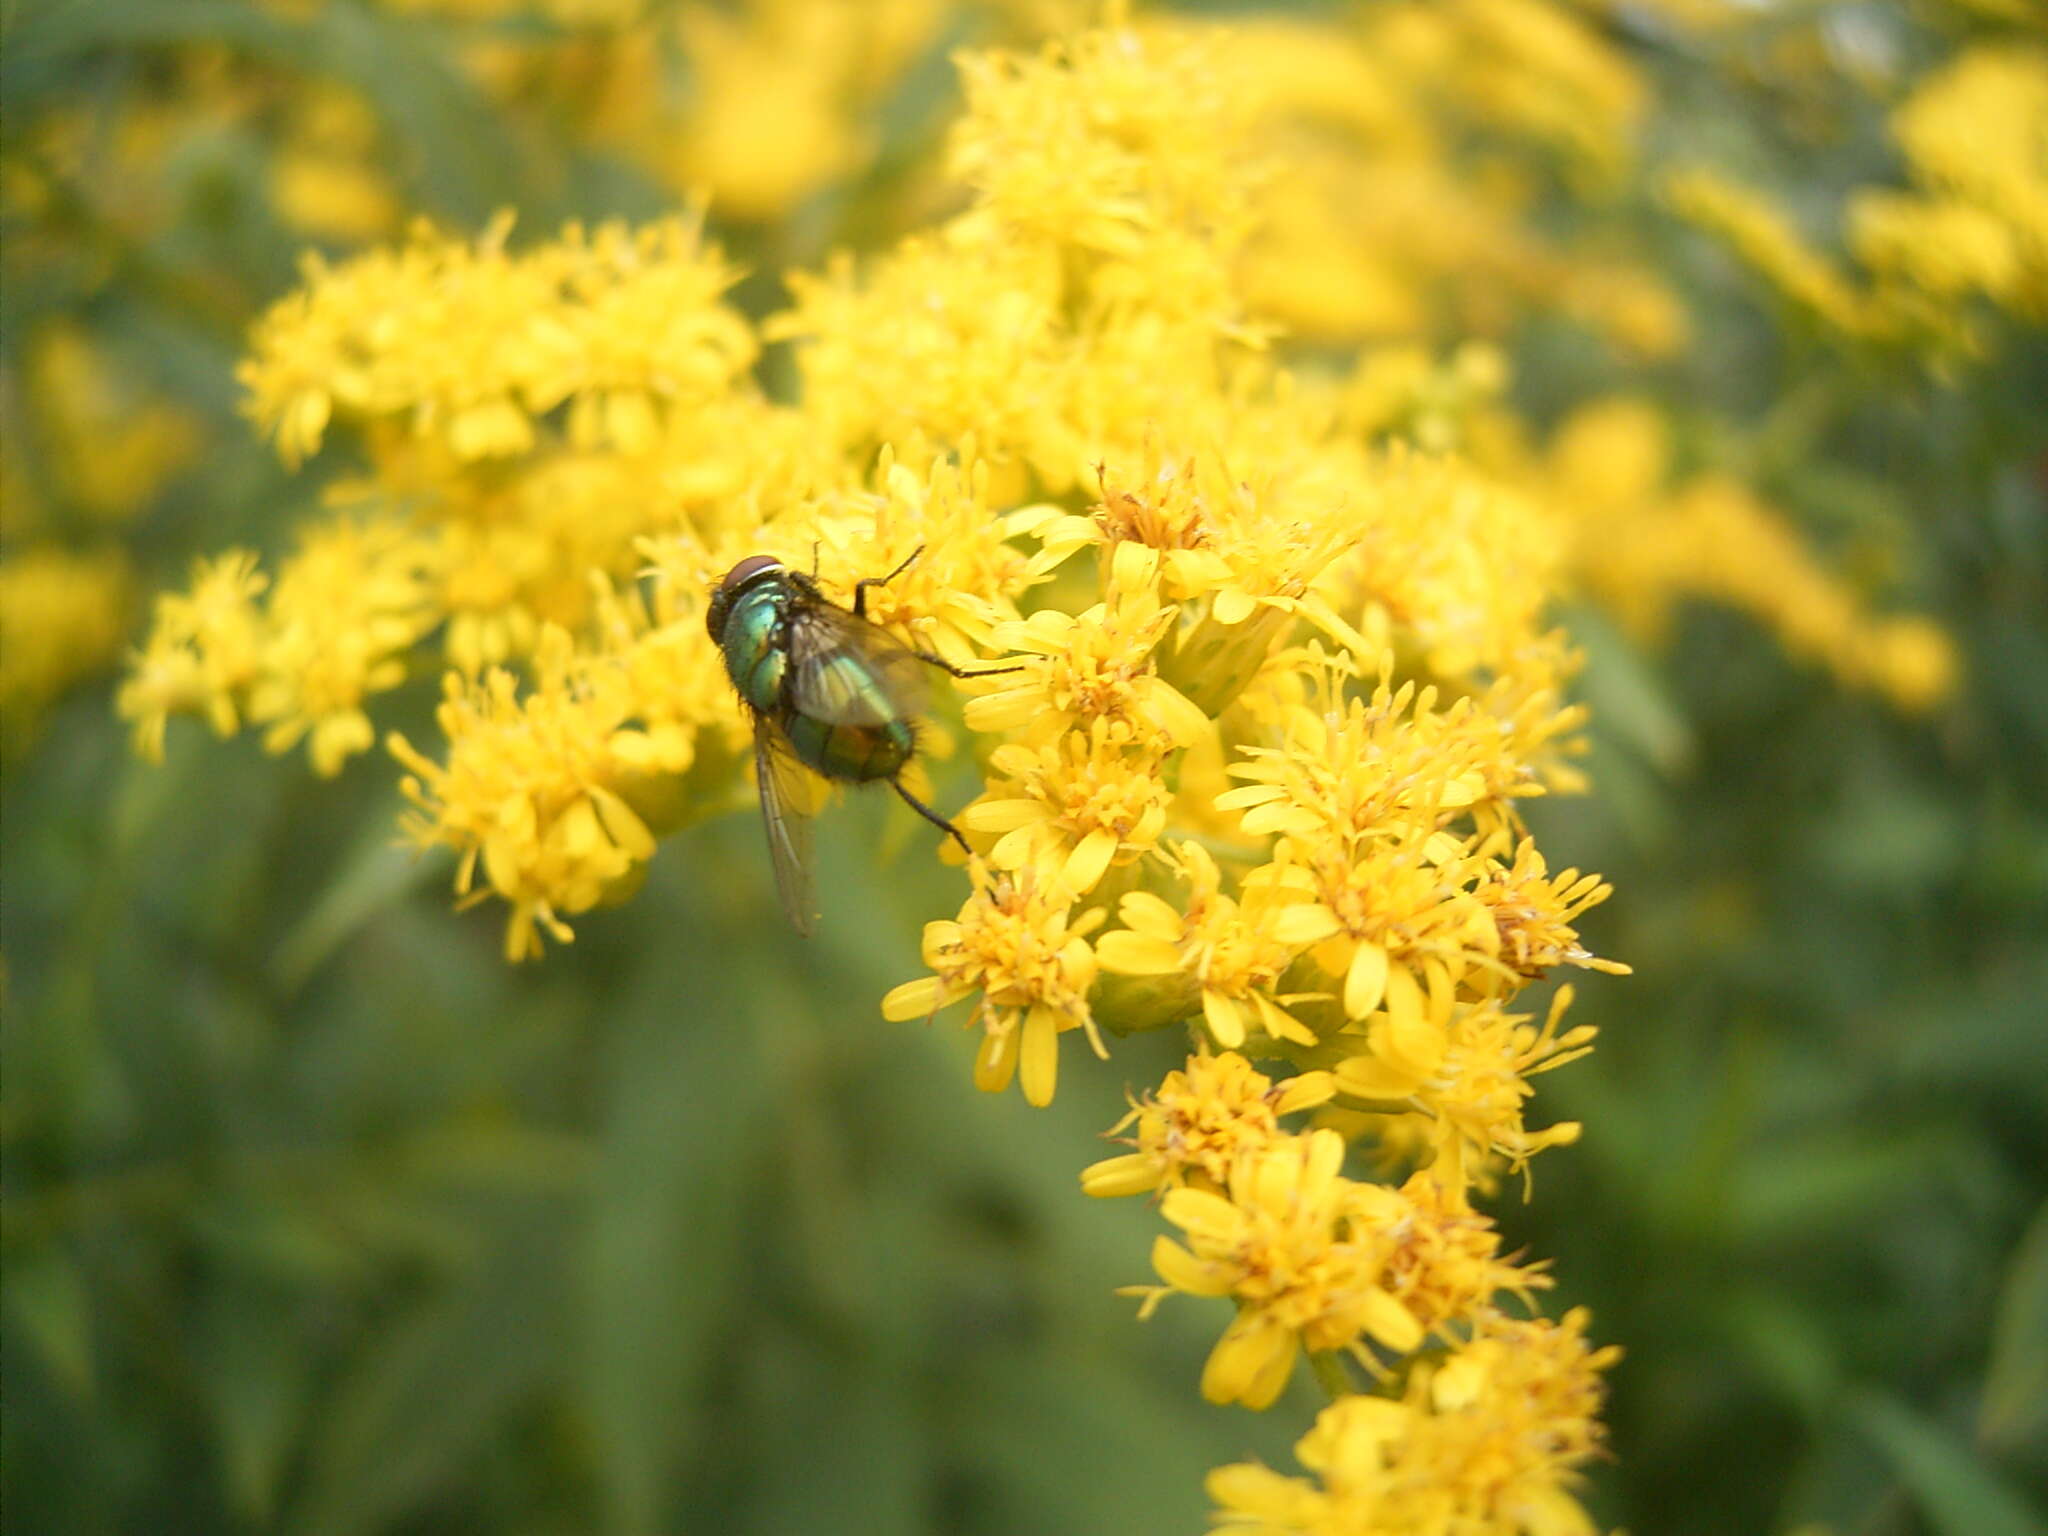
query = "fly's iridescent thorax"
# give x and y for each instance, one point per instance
(747, 617)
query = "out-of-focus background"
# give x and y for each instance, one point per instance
(318, 1217)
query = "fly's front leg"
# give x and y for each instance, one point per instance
(946, 666)
(860, 588)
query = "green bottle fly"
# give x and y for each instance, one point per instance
(829, 691)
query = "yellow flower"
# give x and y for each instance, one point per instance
(203, 653)
(1533, 912)
(1488, 1442)
(1196, 1124)
(1096, 665)
(1464, 1067)
(1444, 1262)
(1074, 807)
(1352, 769)
(62, 618)
(1300, 1253)
(328, 178)
(112, 447)
(344, 611)
(1390, 907)
(1109, 141)
(1237, 949)
(965, 573)
(1017, 944)
(1763, 236)
(946, 337)
(469, 343)
(1973, 130)
(528, 795)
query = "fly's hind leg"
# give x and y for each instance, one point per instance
(860, 588)
(930, 815)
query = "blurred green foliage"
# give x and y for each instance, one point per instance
(318, 1218)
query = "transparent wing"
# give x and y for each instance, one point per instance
(787, 800)
(846, 671)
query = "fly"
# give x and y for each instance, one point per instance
(829, 691)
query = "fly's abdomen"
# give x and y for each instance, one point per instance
(857, 752)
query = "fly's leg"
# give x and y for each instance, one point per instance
(946, 666)
(860, 588)
(860, 611)
(931, 815)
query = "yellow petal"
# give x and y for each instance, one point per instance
(1014, 849)
(1135, 1173)
(1039, 1058)
(1147, 914)
(917, 999)
(1089, 861)
(1280, 1503)
(1003, 815)
(1180, 718)
(1251, 1362)
(1280, 1024)
(1365, 981)
(1136, 954)
(1249, 794)
(1004, 711)
(1233, 605)
(1226, 1019)
(1272, 1377)
(995, 1060)
(1465, 789)
(1411, 1041)
(1184, 1272)
(1203, 1215)
(1305, 1091)
(1278, 816)
(1390, 1322)
(1367, 1077)
(625, 828)
(1308, 922)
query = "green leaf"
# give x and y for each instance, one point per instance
(257, 1380)
(660, 1265)
(373, 878)
(423, 1399)
(1788, 1346)
(46, 1297)
(1630, 700)
(1954, 1489)
(2015, 1407)
(843, 1450)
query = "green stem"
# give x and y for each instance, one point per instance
(1331, 1373)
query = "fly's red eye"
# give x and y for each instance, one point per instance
(746, 571)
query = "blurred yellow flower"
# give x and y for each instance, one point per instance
(63, 617)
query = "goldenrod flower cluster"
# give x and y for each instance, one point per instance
(1275, 670)
(1645, 539)
(1970, 230)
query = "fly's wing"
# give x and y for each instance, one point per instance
(846, 671)
(788, 796)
